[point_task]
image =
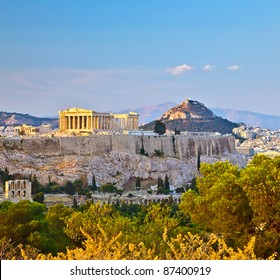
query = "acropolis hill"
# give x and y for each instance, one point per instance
(79, 149)
(112, 158)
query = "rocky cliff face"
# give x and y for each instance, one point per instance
(111, 158)
(179, 146)
(114, 167)
(186, 110)
(192, 115)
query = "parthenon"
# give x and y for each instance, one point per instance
(80, 120)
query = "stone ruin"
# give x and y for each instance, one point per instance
(16, 190)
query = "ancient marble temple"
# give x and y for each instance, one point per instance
(80, 120)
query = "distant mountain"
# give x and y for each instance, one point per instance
(253, 119)
(150, 113)
(14, 119)
(192, 115)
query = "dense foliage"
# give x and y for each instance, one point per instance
(229, 214)
(239, 204)
(159, 127)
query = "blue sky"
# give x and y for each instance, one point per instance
(110, 55)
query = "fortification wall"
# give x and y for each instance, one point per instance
(178, 146)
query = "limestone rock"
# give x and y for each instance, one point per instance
(114, 167)
(192, 115)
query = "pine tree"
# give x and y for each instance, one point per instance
(35, 185)
(75, 203)
(93, 186)
(138, 184)
(160, 186)
(160, 183)
(198, 161)
(166, 183)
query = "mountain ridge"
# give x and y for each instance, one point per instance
(254, 119)
(15, 119)
(193, 116)
(150, 113)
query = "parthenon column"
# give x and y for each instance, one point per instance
(89, 122)
(135, 124)
(79, 123)
(68, 122)
(83, 122)
(98, 122)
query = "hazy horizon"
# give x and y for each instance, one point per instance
(151, 105)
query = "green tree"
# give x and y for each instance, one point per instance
(36, 186)
(160, 183)
(261, 182)
(161, 187)
(142, 150)
(93, 186)
(75, 203)
(56, 222)
(78, 184)
(198, 161)
(69, 188)
(220, 204)
(166, 183)
(5, 175)
(18, 222)
(39, 197)
(108, 188)
(138, 184)
(159, 127)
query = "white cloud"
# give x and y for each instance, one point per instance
(178, 70)
(208, 67)
(234, 67)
